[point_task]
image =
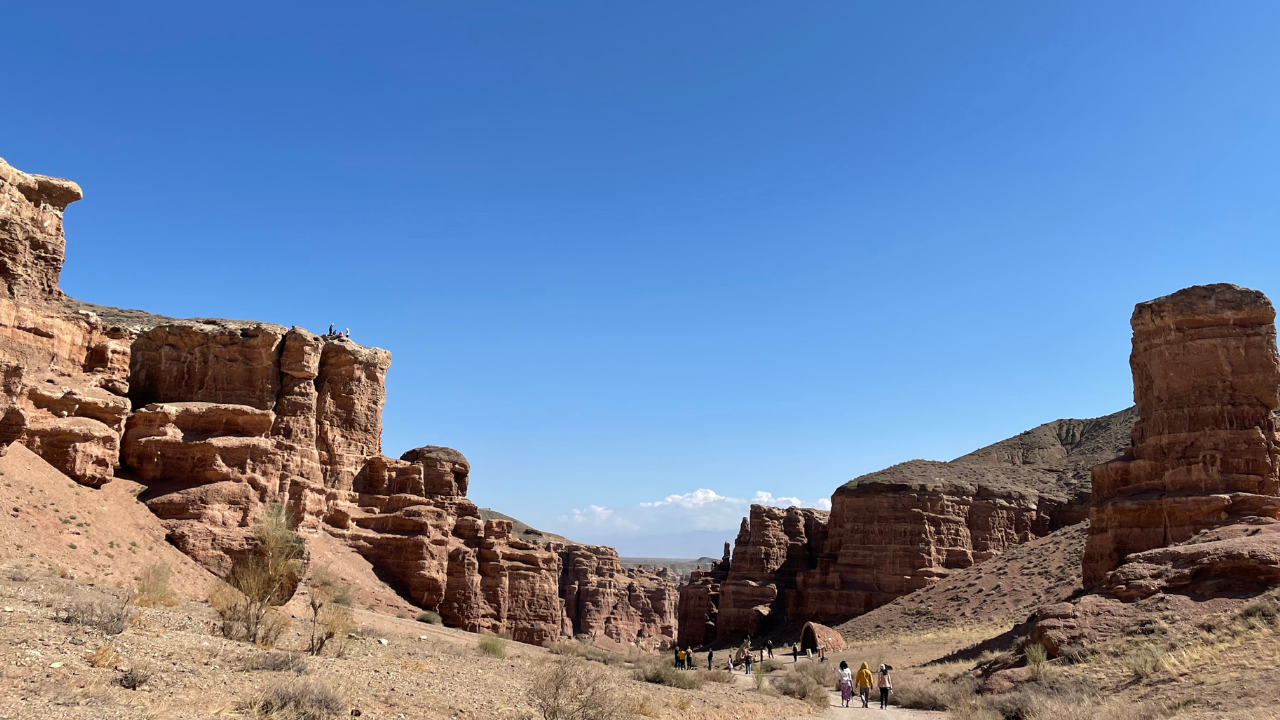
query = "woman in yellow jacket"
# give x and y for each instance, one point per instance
(864, 684)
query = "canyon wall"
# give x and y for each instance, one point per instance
(219, 418)
(897, 530)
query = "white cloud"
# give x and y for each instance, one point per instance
(702, 509)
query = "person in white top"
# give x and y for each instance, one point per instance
(845, 683)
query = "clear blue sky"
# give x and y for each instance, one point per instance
(627, 251)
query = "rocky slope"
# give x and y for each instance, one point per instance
(895, 531)
(218, 418)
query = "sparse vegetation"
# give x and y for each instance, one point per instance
(1145, 660)
(494, 645)
(299, 699)
(153, 587)
(276, 661)
(134, 678)
(330, 602)
(430, 617)
(806, 682)
(1036, 657)
(110, 615)
(662, 672)
(104, 656)
(573, 689)
(262, 579)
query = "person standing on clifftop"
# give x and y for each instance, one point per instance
(331, 328)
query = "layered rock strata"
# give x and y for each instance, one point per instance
(219, 418)
(897, 530)
(699, 603)
(1185, 522)
(1206, 378)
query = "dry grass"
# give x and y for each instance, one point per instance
(430, 617)
(299, 699)
(105, 656)
(571, 688)
(278, 662)
(153, 587)
(662, 672)
(807, 681)
(110, 615)
(330, 602)
(494, 645)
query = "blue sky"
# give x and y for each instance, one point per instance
(646, 262)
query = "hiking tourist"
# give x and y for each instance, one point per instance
(845, 683)
(710, 654)
(768, 646)
(748, 662)
(885, 683)
(795, 653)
(864, 684)
(675, 656)
(688, 659)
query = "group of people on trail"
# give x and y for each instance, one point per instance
(684, 658)
(846, 682)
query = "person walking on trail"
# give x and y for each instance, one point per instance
(768, 646)
(675, 656)
(710, 654)
(885, 683)
(748, 662)
(795, 653)
(864, 684)
(845, 682)
(689, 659)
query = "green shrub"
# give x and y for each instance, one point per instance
(493, 645)
(430, 617)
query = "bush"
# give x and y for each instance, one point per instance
(802, 686)
(942, 695)
(266, 577)
(1036, 657)
(153, 587)
(299, 699)
(110, 615)
(278, 662)
(716, 676)
(493, 645)
(660, 673)
(757, 675)
(770, 665)
(430, 617)
(1145, 660)
(330, 602)
(572, 689)
(134, 678)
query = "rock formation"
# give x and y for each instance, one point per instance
(1205, 380)
(218, 418)
(897, 530)
(1186, 519)
(699, 604)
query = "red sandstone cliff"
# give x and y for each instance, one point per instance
(1187, 518)
(218, 418)
(897, 530)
